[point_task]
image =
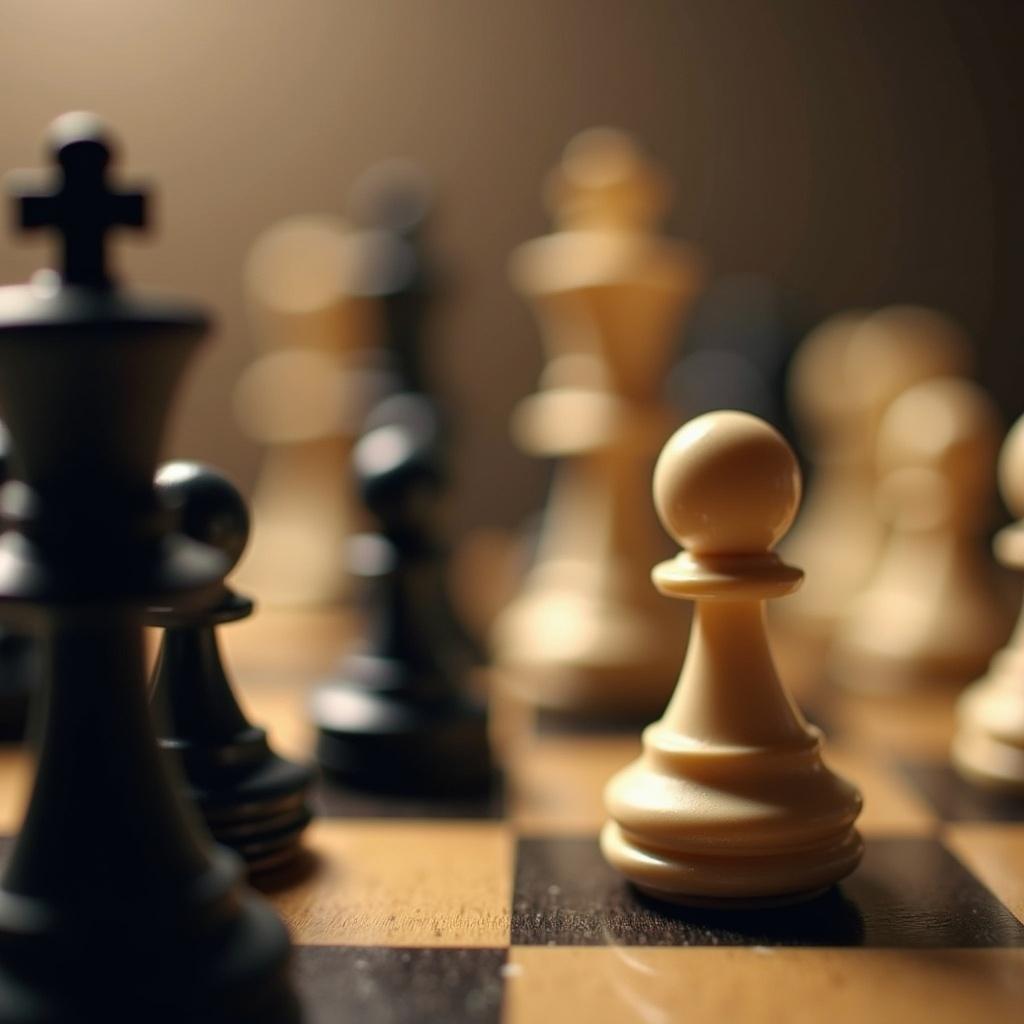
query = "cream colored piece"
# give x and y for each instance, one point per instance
(303, 401)
(840, 501)
(584, 632)
(294, 280)
(988, 747)
(730, 802)
(844, 377)
(934, 610)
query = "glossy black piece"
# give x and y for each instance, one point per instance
(113, 904)
(19, 676)
(739, 339)
(392, 203)
(80, 204)
(908, 893)
(19, 654)
(397, 715)
(253, 800)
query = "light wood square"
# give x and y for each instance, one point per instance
(403, 883)
(611, 985)
(556, 783)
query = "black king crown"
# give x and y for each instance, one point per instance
(81, 206)
(113, 904)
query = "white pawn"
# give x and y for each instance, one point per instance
(989, 744)
(934, 610)
(730, 802)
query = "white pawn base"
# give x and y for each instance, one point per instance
(731, 827)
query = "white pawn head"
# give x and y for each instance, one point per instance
(1011, 469)
(727, 483)
(937, 449)
(897, 347)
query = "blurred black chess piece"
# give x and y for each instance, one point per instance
(19, 660)
(391, 204)
(397, 715)
(738, 344)
(253, 800)
(113, 903)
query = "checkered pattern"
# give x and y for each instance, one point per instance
(504, 910)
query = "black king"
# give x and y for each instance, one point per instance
(113, 904)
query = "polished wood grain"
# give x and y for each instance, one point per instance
(795, 986)
(996, 855)
(403, 883)
(506, 913)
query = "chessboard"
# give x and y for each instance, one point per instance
(504, 910)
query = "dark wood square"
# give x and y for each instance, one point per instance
(909, 892)
(955, 799)
(382, 985)
(332, 801)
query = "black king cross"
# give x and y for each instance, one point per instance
(80, 206)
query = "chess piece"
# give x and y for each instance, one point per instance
(584, 632)
(253, 801)
(738, 344)
(391, 203)
(730, 802)
(933, 611)
(113, 904)
(843, 379)
(989, 744)
(841, 496)
(19, 656)
(302, 400)
(396, 715)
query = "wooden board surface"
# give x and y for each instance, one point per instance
(503, 910)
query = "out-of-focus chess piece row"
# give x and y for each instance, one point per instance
(339, 308)
(904, 595)
(349, 502)
(903, 592)
(586, 631)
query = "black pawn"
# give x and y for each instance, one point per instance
(397, 715)
(19, 654)
(252, 800)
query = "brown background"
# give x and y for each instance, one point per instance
(857, 151)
